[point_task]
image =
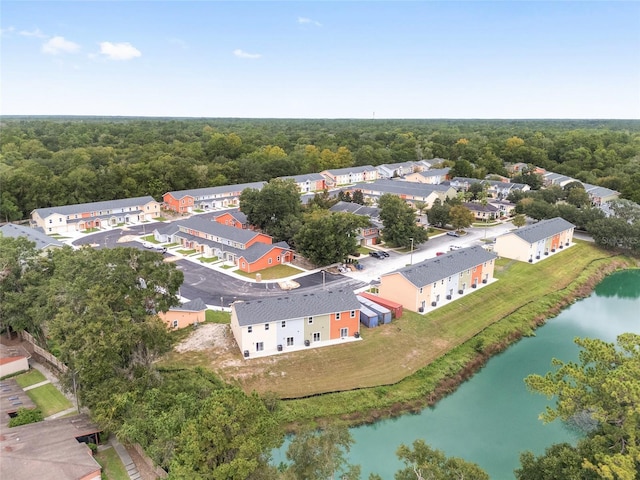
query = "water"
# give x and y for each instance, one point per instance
(490, 419)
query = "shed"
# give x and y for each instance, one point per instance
(368, 317)
(384, 314)
(395, 307)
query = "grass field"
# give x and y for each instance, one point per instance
(272, 273)
(49, 399)
(112, 467)
(30, 378)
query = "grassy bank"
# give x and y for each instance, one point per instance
(474, 329)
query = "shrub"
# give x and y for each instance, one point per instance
(26, 416)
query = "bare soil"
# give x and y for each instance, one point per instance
(208, 336)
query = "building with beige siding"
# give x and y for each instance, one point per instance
(537, 241)
(438, 281)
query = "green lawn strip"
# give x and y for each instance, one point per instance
(208, 259)
(160, 219)
(112, 466)
(186, 252)
(151, 239)
(30, 378)
(272, 273)
(49, 399)
(215, 316)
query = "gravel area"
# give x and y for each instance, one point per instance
(210, 335)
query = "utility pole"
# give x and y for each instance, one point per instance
(411, 254)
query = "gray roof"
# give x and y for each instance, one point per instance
(478, 207)
(491, 183)
(597, 191)
(235, 213)
(307, 177)
(543, 229)
(38, 237)
(400, 187)
(345, 171)
(212, 227)
(195, 305)
(95, 206)
(259, 250)
(210, 191)
(435, 172)
(356, 208)
(295, 305)
(435, 269)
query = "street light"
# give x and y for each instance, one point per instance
(323, 274)
(411, 254)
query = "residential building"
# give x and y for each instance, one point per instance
(249, 250)
(298, 320)
(310, 182)
(350, 175)
(482, 212)
(234, 218)
(35, 235)
(392, 170)
(185, 314)
(434, 176)
(440, 280)
(599, 195)
(186, 201)
(369, 235)
(537, 241)
(551, 178)
(494, 188)
(13, 359)
(408, 191)
(505, 208)
(84, 216)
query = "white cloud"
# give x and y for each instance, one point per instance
(119, 51)
(33, 33)
(57, 45)
(7, 31)
(242, 54)
(305, 20)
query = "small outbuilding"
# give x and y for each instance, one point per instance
(384, 314)
(395, 307)
(368, 317)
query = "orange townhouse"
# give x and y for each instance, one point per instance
(537, 241)
(295, 321)
(249, 250)
(438, 281)
(310, 182)
(183, 315)
(209, 198)
(234, 218)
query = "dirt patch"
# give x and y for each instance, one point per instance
(208, 336)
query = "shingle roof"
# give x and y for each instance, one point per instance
(311, 177)
(195, 305)
(212, 227)
(39, 238)
(364, 210)
(95, 206)
(259, 250)
(209, 191)
(401, 187)
(344, 171)
(451, 263)
(597, 191)
(435, 172)
(295, 305)
(543, 229)
(478, 207)
(236, 214)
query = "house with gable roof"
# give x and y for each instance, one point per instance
(369, 235)
(309, 182)
(185, 201)
(185, 314)
(349, 175)
(433, 176)
(234, 218)
(537, 241)
(440, 280)
(391, 170)
(249, 250)
(410, 192)
(292, 322)
(83, 216)
(43, 242)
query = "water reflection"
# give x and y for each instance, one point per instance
(622, 285)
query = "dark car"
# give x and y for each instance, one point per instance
(453, 234)
(376, 255)
(384, 254)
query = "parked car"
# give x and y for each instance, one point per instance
(377, 255)
(384, 254)
(453, 233)
(454, 247)
(439, 253)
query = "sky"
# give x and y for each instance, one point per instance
(321, 59)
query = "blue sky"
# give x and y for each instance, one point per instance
(330, 59)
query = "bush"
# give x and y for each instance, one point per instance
(26, 416)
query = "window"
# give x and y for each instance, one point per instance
(278, 258)
(338, 316)
(266, 326)
(310, 320)
(259, 346)
(353, 314)
(50, 221)
(344, 332)
(174, 324)
(420, 289)
(316, 337)
(270, 261)
(434, 284)
(284, 324)
(289, 341)
(249, 329)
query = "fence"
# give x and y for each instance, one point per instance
(27, 337)
(160, 473)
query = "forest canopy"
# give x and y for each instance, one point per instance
(52, 161)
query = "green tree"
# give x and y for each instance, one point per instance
(460, 217)
(274, 208)
(604, 386)
(578, 197)
(519, 220)
(231, 438)
(425, 463)
(439, 214)
(615, 232)
(320, 455)
(26, 416)
(327, 237)
(560, 461)
(399, 221)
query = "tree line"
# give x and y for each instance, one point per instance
(59, 161)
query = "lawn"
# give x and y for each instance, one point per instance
(272, 273)
(30, 378)
(150, 239)
(393, 352)
(49, 399)
(112, 467)
(186, 252)
(209, 259)
(160, 219)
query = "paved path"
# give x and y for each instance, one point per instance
(36, 385)
(62, 413)
(129, 465)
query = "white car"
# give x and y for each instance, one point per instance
(454, 247)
